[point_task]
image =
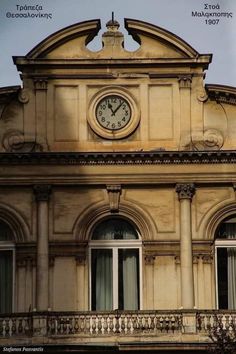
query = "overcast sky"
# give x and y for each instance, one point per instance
(18, 35)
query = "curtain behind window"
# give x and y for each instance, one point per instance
(230, 230)
(5, 281)
(102, 282)
(128, 279)
(114, 229)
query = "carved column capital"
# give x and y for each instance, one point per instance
(42, 192)
(51, 260)
(185, 190)
(185, 81)
(41, 83)
(149, 259)
(80, 259)
(114, 192)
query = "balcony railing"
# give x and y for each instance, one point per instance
(115, 323)
(147, 324)
(208, 320)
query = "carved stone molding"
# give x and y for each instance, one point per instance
(51, 261)
(195, 259)
(42, 192)
(177, 259)
(107, 159)
(185, 81)
(211, 139)
(15, 141)
(40, 83)
(23, 96)
(149, 259)
(207, 259)
(185, 190)
(202, 95)
(114, 192)
(21, 262)
(80, 259)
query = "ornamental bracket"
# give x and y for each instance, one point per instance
(114, 192)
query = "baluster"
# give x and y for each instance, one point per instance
(88, 324)
(1, 327)
(71, 325)
(76, 325)
(134, 321)
(105, 324)
(82, 324)
(99, 324)
(129, 324)
(13, 328)
(122, 323)
(172, 323)
(93, 326)
(158, 323)
(161, 323)
(7, 327)
(25, 325)
(59, 325)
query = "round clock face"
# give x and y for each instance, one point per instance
(113, 112)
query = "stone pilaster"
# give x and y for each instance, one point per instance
(185, 194)
(42, 194)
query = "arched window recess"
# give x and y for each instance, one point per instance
(225, 258)
(115, 264)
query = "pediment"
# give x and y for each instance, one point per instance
(71, 43)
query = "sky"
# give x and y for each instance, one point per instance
(208, 26)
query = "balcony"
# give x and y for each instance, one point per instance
(124, 329)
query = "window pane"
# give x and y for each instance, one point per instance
(6, 281)
(115, 229)
(227, 230)
(102, 280)
(128, 279)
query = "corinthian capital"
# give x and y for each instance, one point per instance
(42, 192)
(185, 190)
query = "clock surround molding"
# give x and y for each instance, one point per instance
(123, 132)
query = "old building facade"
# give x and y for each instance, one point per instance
(117, 194)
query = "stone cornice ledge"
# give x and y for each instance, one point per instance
(119, 158)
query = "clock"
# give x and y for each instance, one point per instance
(113, 112)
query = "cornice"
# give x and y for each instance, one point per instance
(222, 93)
(119, 158)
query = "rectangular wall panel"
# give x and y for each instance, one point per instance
(160, 112)
(66, 113)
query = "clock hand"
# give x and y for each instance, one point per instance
(110, 106)
(114, 112)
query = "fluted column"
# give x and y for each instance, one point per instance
(42, 194)
(185, 193)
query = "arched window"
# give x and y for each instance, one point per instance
(115, 266)
(226, 264)
(6, 267)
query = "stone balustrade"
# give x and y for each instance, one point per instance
(114, 324)
(15, 325)
(208, 320)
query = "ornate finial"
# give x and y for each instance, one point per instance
(112, 25)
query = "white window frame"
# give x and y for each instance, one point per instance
(221, 243)
(9, 246)
(115, 245)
